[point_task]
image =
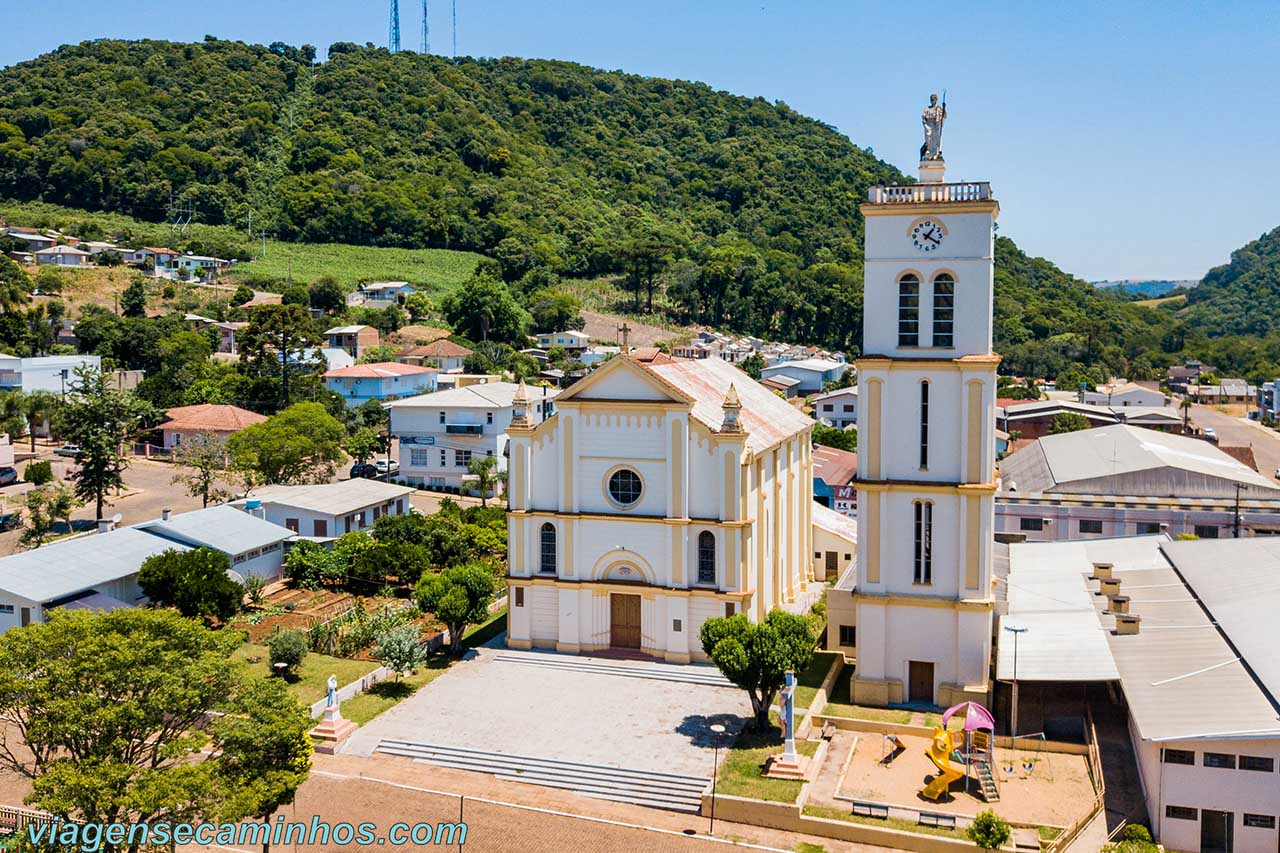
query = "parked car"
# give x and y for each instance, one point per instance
(8, 476)
(69, 450)
(387, 466)
(363, 469)
(1211, 434)
(10, 521)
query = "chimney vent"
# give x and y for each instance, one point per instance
(1103, 570)
(1119, 604)
(164, 514)
(1109, 586)
(105, 525)
(1127, 623)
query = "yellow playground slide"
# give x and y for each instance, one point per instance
(939, 753)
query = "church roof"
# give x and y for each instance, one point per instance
(766, 418)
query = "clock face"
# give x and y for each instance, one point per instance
(927, 235)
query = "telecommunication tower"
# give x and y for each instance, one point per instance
(393, 40)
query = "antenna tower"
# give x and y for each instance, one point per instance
(455, 29)
(426, 30)
(393, 40)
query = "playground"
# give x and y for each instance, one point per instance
(958, 770)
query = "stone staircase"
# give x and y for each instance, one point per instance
(682, 673)
(639, 787)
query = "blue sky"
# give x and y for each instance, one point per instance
(1123, 139)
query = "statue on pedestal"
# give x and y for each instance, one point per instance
(933, 118)
(331, 698)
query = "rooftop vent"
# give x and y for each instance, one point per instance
(1127, 623)
(1103, 571)
(1109, 586)
(1118, 604)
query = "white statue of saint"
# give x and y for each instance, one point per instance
(932, 119)
(332, 698)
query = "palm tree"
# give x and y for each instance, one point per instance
(12, 420)
(37, 406)
(1185, 405)
(485, 470)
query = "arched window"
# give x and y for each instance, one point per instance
(547, 555)
(909, 311)
(706, 557)
(923, 573)
(944, 310)
(924, 424)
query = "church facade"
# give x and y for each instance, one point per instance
(926, 456)
(659, 495)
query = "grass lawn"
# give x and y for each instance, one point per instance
(808, 682)
(478, 635)
(901, 824)
(441, 270)
(310, 683)
(363, 707)
(932, 720)
(840, 706)
(743, 763)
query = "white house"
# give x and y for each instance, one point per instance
(813, 373)
(64, 256)
(570, 340)
(255, 545)
(43, 373)
(839, 408)
(659, 495)
(1124, 394)
(926, 449)
(328, 510)
(439, 433)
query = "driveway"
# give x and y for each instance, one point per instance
(593, 711)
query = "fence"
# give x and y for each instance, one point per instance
(1093, 761)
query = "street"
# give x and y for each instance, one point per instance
(1241, 432)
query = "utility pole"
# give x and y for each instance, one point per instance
(1235, 521)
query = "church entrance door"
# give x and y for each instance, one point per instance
(624, 621)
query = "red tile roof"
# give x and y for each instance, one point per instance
(378, 370)
(208, 416)
(438, 349)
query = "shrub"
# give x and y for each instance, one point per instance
(288, 648)
(168, 292)
(989, 831)
(253, 587)
(401, 650)
(38, 473)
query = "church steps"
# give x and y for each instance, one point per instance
(685, 675)
(641, 787)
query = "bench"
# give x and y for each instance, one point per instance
(941, 821)
(871, 810)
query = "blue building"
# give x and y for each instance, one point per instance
(811, 372)
(386, 380)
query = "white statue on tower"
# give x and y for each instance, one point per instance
(932, 119)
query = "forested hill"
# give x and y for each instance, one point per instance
(1243, 296)
(740, 213)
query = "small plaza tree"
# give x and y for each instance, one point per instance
(401, 650)
(988, 830)
(756, 657)
(458, 596)
(195, 582)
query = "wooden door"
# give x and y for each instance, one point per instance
(624, 621)
(920, 678)
(833, 564)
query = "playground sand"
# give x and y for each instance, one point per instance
(1056, 792)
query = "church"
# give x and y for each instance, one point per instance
(926, 456)
(660, 494)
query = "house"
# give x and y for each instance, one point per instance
(34, 239)
(160, 258)
(64, 256)
(100, 571)
(97, 247)
(226, 332)
(1183, 633)
(835, 540)
(1179, 377)
(443, 355)
(185, 423)
(1121, 481)
(571, 341)
(838, 408)
(658, 496)
(440, 433)
(198, 265)
(66, 334)
(384, 380)
(833, 474)
(1226, 391)
(43, 373)
(1126, 394)
(328, 510)
(381, 294)
(813, 373)
(787, 386)
(1034, 418)
(353, 339)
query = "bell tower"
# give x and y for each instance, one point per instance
(926, 455)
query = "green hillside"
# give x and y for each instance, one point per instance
(1243, 296)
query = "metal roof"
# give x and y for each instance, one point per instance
(225, 528)
(836, 523)
(339, 498)
(1127, 460)
(63, 568)
(484, 395)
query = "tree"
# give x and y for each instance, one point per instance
(374, 567)
(988, 830)
(752, 365)
(301, 444)
(38, 472)
(378, 354)
(288, 648)
(756, 657)
(133, 302)
(485, 471)
(840, 439)
(1185, 408)
(37, 406)
(195, 582)
(419, 306)
(483, 309)
(296, 294)
(459, 596)
(556, 311)
(306, 564)
(1068, 422)
(276, 343)
(140, 715)
(327, 295)
(401, 650)
(45, 506)
(15, 285)
(100, 419)
(243, 293)
(362, 443)
(203, 459)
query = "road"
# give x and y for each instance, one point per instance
(1241, 432)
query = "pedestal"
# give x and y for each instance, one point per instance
(933, 171)
(787, 767)
(332, 731)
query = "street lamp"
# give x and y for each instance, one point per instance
(1235, 522)
(1015, 630)
(62, 378)
(716, 730)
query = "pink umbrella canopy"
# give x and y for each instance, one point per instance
(975, 716)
